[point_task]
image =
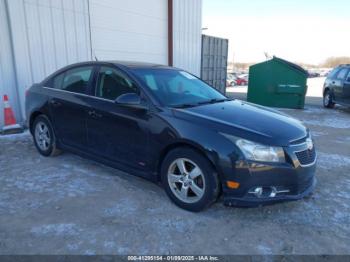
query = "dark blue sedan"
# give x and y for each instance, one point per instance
(168, 126)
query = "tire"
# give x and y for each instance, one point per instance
(201, 186)
(328, 100)
(44, 137)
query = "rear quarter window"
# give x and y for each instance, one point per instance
(76, 80)
(57, 81)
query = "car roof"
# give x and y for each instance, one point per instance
(132, 64)
(125, 64)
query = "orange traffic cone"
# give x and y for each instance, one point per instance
(10, 121)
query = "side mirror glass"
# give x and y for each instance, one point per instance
(131, 100)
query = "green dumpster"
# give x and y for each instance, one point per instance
(277, 83)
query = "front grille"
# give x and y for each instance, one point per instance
(307, 156)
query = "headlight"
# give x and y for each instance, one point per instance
(258, 152)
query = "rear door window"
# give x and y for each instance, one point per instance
(76, 80)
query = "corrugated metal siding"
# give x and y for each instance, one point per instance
(46, 35)
(187, 29)
(40, 36)
(214, 61)
(133, 30)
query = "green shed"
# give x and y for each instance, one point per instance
(277, 83)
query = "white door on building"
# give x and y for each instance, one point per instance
(131, 30)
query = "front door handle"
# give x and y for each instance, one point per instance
(93, 114)
(55, 103)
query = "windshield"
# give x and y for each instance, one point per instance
(176, 88)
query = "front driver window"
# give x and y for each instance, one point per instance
(111, 84)
(341, 75)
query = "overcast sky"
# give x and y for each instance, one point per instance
(306, 31)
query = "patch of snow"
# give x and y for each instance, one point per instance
(318, 133)
(89, 252)
(316, 110)
(56, 230)
(124, 207)
(329, 161)
(264, 250)
(334, 122)
(72, 247)
(109, 245)
(14, 137)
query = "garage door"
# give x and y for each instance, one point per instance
(131, 30)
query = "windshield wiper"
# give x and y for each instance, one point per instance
(211, 101)
(214, 100)
(185, 105)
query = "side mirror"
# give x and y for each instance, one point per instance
(131, 100)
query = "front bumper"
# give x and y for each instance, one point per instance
(292, 180)
(251, 201)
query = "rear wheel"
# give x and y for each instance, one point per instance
(328, 100)
(189, 179)
(44, 137)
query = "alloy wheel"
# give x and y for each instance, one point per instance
(42, 136)
(326, 99)
(186, 180)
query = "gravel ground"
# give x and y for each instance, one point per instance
(70, 205)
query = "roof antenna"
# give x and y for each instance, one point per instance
(96, 58)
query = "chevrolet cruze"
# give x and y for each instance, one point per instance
(168, 126)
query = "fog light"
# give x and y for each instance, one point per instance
(267, 191)
(273, 191)
(258, 191)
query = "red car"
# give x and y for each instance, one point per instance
(241, 81)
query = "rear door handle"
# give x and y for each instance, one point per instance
(93, 114)
(55, 103)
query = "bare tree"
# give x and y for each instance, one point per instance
(335, 61)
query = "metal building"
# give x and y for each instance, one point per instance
(38, 37)
(214, 61)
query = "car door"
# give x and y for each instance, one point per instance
(69, 105)
(346, 89)
(117, 133)
(338, 84)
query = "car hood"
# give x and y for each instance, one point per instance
(246, 120)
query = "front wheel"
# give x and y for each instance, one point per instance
(328, 100)
(189, 179)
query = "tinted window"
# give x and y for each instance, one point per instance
(177, 88)
(57, 81)
(112, 83)
(342, 73)
(333, 73)
(76, 80)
